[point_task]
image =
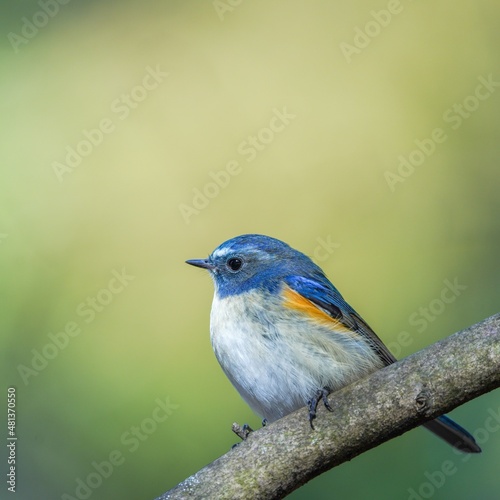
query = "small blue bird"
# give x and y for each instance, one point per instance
(284, 335)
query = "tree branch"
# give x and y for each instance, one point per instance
(279, 458)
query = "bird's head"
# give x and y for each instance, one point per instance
(253, 261)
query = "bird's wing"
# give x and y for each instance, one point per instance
(324, 296)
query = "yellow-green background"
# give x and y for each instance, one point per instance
(323, 176)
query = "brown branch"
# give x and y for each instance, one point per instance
(280, 457)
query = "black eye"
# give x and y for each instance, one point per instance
(234, 263)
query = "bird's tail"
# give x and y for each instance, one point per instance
(452, 433)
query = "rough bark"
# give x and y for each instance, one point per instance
(279, 458)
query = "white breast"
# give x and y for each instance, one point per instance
(277, 358)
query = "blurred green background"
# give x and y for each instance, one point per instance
(179, 90)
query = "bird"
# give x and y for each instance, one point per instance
(286, 338)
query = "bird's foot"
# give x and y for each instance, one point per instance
(320, 395)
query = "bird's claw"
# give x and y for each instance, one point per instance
(321, 394)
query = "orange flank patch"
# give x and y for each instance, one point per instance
(297, 302)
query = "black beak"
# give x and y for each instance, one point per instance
(204, 263)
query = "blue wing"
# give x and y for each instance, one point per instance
(325, 296)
